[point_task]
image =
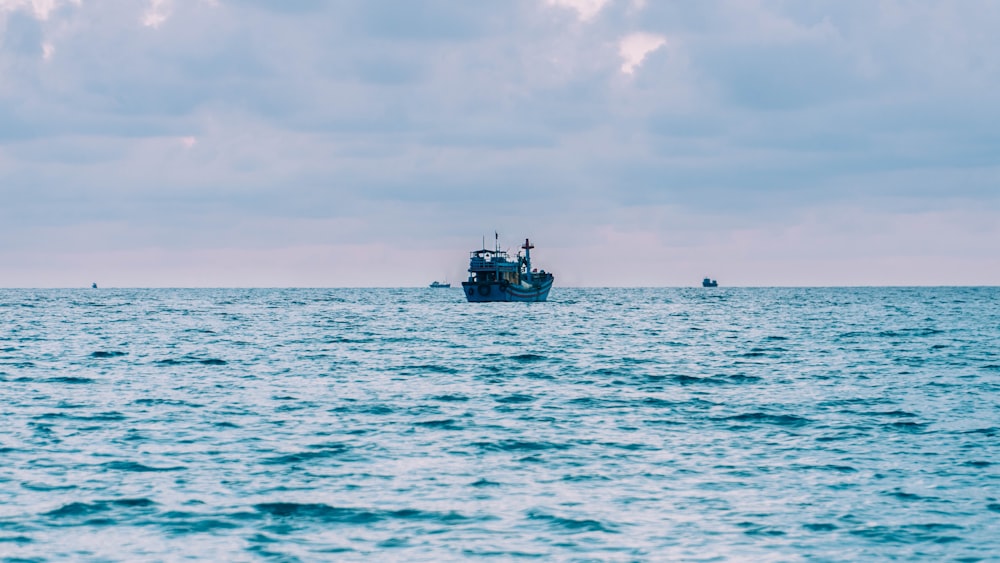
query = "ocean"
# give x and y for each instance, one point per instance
(679, 424)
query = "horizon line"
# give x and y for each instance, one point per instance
(869, 286)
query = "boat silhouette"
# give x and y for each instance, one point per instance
(495, 276)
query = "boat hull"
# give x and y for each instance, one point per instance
(489, 292)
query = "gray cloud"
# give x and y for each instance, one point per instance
(245, 126)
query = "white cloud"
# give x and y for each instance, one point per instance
(48, 50)
(634, 47)
(157, 13)
(40, 8)
(585, 9)
(189, 142)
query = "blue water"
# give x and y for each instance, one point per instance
(406, 424)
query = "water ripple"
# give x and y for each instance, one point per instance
(606, 424)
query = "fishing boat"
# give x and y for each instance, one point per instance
(495, 276)
(708, 282)
(437, 284)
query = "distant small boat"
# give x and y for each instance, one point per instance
(438, 284)
(93, 285)
(708, 282)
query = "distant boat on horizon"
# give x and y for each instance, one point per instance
(93, 285)
(437, 284)
(708, 282)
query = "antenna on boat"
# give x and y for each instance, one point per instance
(527, 246)
(496, 242)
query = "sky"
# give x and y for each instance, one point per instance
(346, 143)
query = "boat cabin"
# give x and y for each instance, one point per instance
(488, 266)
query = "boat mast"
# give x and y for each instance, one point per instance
(527, 257)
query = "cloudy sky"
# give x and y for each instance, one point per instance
(375, 142)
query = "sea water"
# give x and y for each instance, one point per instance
(406, 424)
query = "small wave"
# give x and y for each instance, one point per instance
(696, 380)
(978, 463)
(722, 379)
(572, 524)
(585, 478)
(829, 467)
(854, 334)
(633, 446)
(538, 375)
(906, 427)
(586, 401)
(484, 483)
(101, 417)
(909, 497)
(738, 378)
(345, 340)
(429, 368)
(333, 450)
(658, 403)
(136, 467)
(503, 555)
(907, 534)
(449, 398)
(754, 529)
(627, 360)
(765, 418)
(608, 372)
(197, 525)
(75, 509)
(518, 446)
(863, 401)
(107, 354)
(186, 360)
(892, 413)
(516, 398)
(910, 332)
(170, 402)
(46, 488)
(820, 527)
(526, 358)
(70, 379)
(991, 431)
(376, 409)
(332, 514)
(443, 424)
(133, 502)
